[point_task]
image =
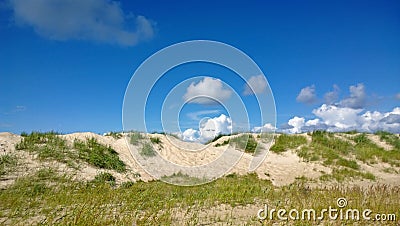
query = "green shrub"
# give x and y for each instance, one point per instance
(104, 177)
(155, 140)
(115, 135)
(223, 143)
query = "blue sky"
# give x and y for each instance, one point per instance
(65, 65)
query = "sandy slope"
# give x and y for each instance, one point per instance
(281, 169)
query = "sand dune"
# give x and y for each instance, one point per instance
(281, 169)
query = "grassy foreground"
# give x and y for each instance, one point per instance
(49, 198)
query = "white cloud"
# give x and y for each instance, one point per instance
(94, 20)
(190, 135)
(342, 118)
(209, 129)
(313, 122)
(268, 127)
(205, 91)
(347, 114)
(296, 124)
(307, 95)
(357, 99)
(374, 121)
(332, 96)
(255, 85)
(334, 118)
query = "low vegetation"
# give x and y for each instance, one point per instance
(155, 140)
(147, 150)
(245, 142)
(47, 146)
(284, 142)
(368, 152)
(135, 138)
(99, 155)
(50, 146)
(390, 138)
(49, 198)
(7, 163)
(344, 174)
(104, 177)
(115, 135)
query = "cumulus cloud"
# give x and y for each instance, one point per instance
(342, 118)
(93, 20)
(335, 119)
(357, 98)
(268, 127)
(332, 96)
(343, 115)
(208, 129)
(190, 135)
(255, 85)
(294, 125)
(207, 91)
(307, 95)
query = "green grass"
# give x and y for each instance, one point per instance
(147, 150)
(135, 138)
(369, 152)
(7, 163)
(50, 146)
(390, 138)
(183, 179)
(155, 140)
(225, 142)
(99, 155)
(104, 177)
(53, 199)
(284, 142)
(345, 174)
(244, 142)
(115, 135)
(266, 137)
(47, 146)
(216, 138)
(330, 150)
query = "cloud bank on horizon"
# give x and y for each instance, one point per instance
(333, 115)
(342, 115)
